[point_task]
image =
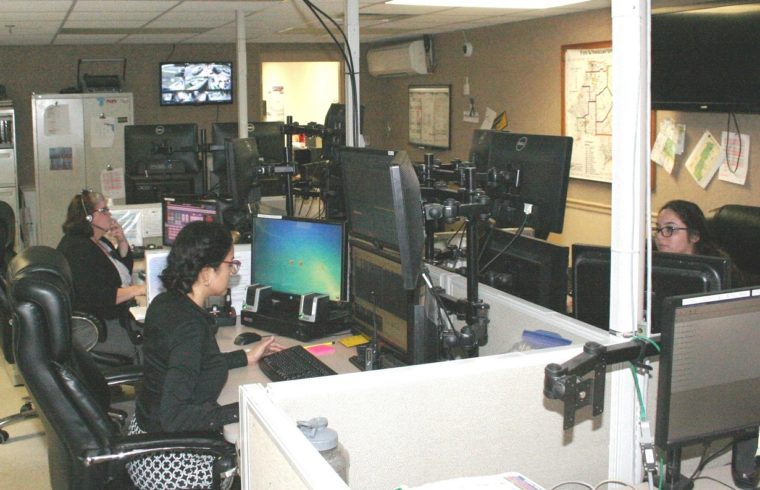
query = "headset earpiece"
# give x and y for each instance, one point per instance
(88, 216)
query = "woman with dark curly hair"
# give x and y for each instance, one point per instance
(184, 369)
(682, 228)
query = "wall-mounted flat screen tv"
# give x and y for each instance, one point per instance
(196, 83)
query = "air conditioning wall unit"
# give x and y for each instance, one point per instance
(409, 58)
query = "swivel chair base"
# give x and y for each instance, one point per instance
(26, 411)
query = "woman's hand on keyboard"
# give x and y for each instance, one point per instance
(266, 346)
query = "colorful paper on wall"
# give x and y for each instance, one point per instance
(705, 159)
(664, 149)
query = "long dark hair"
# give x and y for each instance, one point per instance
(695, 221)
(198, 245)
(81, 206)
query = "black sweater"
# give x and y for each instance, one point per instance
(184, 369)
(95, 277)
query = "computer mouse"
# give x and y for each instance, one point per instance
(246, 338)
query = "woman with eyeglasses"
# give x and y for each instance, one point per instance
(184, 369)
(101, 267)
(682, 228)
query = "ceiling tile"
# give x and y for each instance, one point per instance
(123, 5)
(87, 39)
(36, 6)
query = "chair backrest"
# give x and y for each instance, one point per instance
(736, 229)
(63, 385)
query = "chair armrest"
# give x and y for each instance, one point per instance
(128, 448)
(110, 359)
(123, 375)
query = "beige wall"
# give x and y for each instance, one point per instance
(48, 69)
(515, 67)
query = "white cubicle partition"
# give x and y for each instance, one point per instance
(432, 422)
(421, 424)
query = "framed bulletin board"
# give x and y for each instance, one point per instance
(587, 108)
(430, 116)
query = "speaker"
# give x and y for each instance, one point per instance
(258, 297)
(314, 307)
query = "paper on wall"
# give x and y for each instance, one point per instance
(664, 148)
(102, 131)
(705, 159)
(488, 118)
(735, 158)
(112, 183)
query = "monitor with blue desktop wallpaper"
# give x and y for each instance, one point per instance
(709, 381)
(298, 256)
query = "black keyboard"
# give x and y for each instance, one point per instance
(293, 363)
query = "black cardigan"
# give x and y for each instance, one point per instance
(184, 371)
(95, 277)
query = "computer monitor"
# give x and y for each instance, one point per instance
(672, 274)
(380, 302)
(161, 149)
(268, 135)
(709, 382)
(178, 213)
(297, 256)
(242, 171)
(384, 204)
(529, 268)
(524, 169)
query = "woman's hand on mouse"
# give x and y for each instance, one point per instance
(266, 346)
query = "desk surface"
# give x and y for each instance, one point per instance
(225, 337)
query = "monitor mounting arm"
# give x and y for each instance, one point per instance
(473, 205)
(566, 383)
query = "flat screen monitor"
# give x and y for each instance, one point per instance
(672, 275)
(268, 135)
(242, 156)
(380, 302)
(524, 170)
(196, 83)
(161, 150)
(297, 256)
(384, 204)
(709, 381)
(529, 268)
(726, 39)
(177, 213)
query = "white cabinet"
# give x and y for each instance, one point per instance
(76, 137)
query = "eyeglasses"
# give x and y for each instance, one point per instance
(104, 209)
(234, 265)
(667, 231)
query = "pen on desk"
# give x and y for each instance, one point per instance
(323, 343)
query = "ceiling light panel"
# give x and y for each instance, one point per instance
(507, 4)
(118, 6)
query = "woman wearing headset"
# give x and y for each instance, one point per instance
(101, 271)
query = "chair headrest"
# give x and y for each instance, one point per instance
(736, 229)
(41, 288)
(40, 259)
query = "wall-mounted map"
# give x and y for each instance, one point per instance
(587, 108)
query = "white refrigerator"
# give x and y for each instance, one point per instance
(76, 138)
(8, 185)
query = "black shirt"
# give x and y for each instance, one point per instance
(184, 369)
(94, 275)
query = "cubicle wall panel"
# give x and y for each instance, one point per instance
(437, 421)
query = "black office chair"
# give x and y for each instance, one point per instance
(736, 229)
(85, 447)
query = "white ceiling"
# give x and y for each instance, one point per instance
(58, 22)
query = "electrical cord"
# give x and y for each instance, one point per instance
(506, 247)
(732, 115)
(348, 58)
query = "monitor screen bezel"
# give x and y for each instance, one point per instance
(663, 436)
(204, 204)
(161, 92)
(290, 298)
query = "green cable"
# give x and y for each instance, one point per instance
(642, 408)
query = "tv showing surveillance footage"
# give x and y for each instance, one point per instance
(196, 83)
